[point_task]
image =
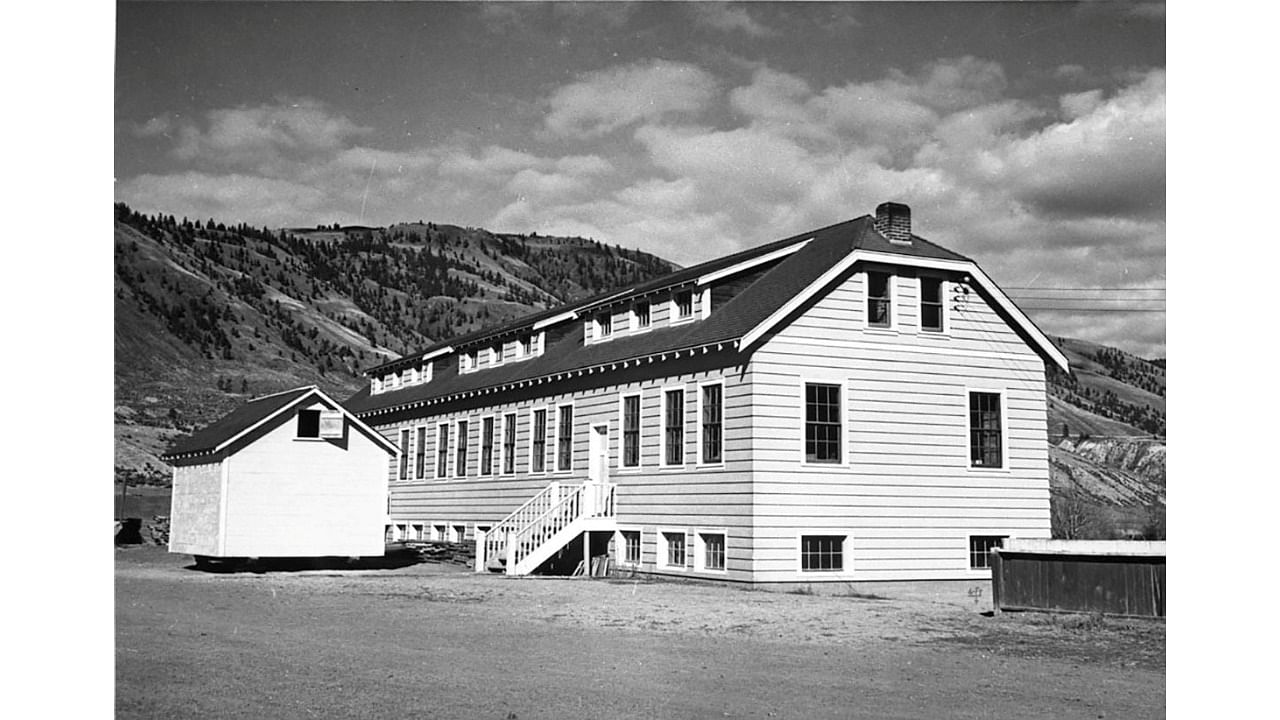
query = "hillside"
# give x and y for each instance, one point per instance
(1108, 393)
(208, 315)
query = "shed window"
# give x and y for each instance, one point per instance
(980, 549)
(821, 423)
(819, 553)
(931, 304)
(308, 423)
(879, 310)
(984, 430)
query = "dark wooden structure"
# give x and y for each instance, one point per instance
(1087, 578)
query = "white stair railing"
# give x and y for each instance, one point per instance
(496, 537)
(549, 512)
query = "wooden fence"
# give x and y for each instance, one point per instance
(1111, 577)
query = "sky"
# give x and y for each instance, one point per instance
(1027, 136)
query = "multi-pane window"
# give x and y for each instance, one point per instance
(509, 443)
(879, 310)
(526, 345)
(984, 430)
(673, 427)
(631, 431)
(641, 311)
(821, 552)
(712, 423)
(631, 547)
(442, 451)
(713, 551)
(404, 454)
(684, 304)
(564, 438)
(420, 459)
(539, 444)
(495, 354)
(821, 423)
(460, 464)
(486, 446)
(980, 548)
(604, 324)
(931, 304)
(675, 548)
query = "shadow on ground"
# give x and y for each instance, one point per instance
(393, 559)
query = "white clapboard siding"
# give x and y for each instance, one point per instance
(195, 515)
(903, 494)
(305, 497)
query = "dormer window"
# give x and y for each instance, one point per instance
(389, 381)
(683, 305)
(467, 362)
(604, 325)
(375, 386)
(426, 371)
(495, 354)
(411, 376)
(524, 346)
(640, 315)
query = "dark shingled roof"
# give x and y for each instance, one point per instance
(735, 318)
(208, 439)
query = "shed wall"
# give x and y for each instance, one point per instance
(195, 513)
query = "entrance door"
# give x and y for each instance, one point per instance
(598, 467)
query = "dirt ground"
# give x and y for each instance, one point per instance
(436, 641)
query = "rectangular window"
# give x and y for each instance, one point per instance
(675, 548)
(641, 313)
(526, 346)
(460, 464)
(308, 423)
(984, 430)
(684, 305)
(631, 547)
(931, 304)
(420, 460)
(486, 446)
(459, 533)
(879, 311)
(712, 551)
(712, 423)
(673, 427)
(820, 553)
(404, 454)
(604, 325)
(509, 443)
(441, 532)
(564, 438)
(631, 431)
(980, 549)
(821, 423)
(442, 451)
(539, 445)
(495, 354)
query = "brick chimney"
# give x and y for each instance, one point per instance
(893, 220)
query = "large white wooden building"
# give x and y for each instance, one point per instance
(852, 403)
(291, 474)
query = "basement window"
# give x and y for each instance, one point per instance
(821, 553)
(980, 549)
(308, 423)
(630, 547)
(674, 542)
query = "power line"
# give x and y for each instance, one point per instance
(1099, 289)
(1117, 310)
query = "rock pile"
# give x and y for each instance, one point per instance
(158, 530)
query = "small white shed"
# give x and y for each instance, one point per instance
(286, 475)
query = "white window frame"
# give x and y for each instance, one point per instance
(514, 417)
(1003, 392)
(660, 562)
(495, 455)
(440, 532)
(428, 369)
(403, 466)
(411, 376)
(701, 461)
(846, 423)
(533, 414)
(447, 449)
(892, 284)
(457, 444)
(673, 313)
(704, 302)
(421, 453)
(846, 552)
(662, 429)
(598, 333)
(389, 381)
(700, 549)
(468, 362)
(968, 545)
(633, 318)
(620, 544)
(943, 289)
(573, 422)
(375, 386)
(495, 354)
(620, 466)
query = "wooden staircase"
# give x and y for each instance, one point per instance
(546, 523)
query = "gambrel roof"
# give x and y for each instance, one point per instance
(804, 265)
(257, 412)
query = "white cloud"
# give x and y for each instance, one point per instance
(234, 197)
(727, 18)
(265, 135)
(607, 100)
